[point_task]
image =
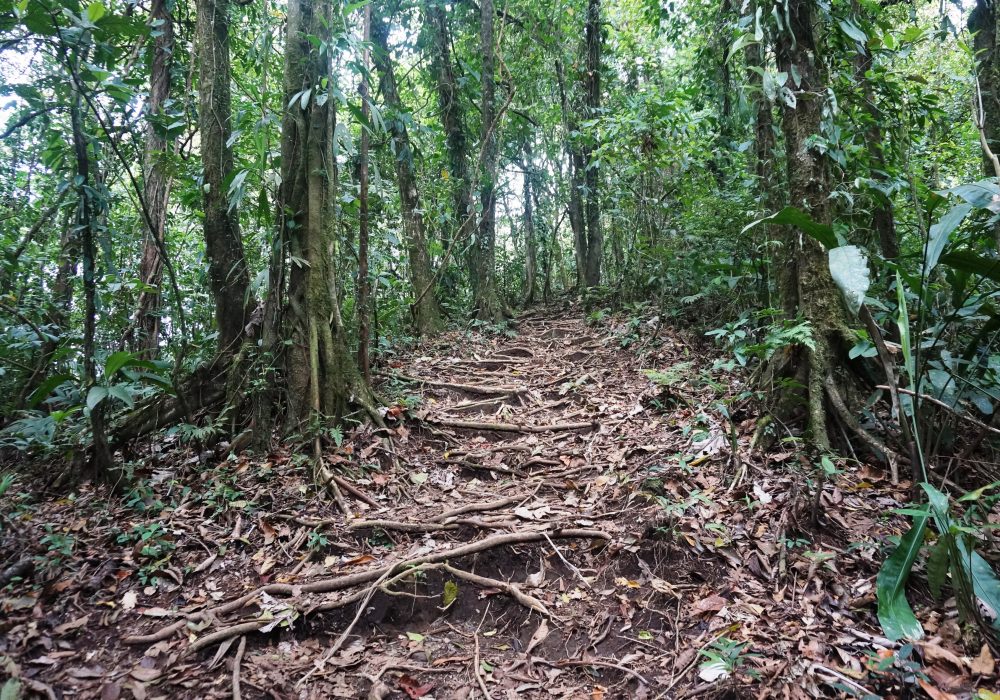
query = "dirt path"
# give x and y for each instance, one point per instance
(540, 520)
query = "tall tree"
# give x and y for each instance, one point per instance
(87, 215)
(320, 371)
(482, 261)
(805, 285)
(453, 123)
(576, 166)
(530, 242)
(425, 309)
(364, 285)
(983, 23)
(156, 183)
(592, 91)
(228, 274)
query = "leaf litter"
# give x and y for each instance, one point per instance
(540, 519)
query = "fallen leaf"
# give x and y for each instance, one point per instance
(983, 665)
(711, 604)
(141, 673)
(537, 637)
(129, 600)
(412, 688)
(73, 625)
(934, 693)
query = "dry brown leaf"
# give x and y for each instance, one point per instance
(935, 693)
(984, 664)
(72, 625)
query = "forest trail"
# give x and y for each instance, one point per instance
(550, 524)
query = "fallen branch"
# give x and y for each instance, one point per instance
(471, 388)
(476, 508)
(510, 589)
(340, 583)
(951, 409)
(400, 525)
(510, 427)
(236, 668)
(599, 664)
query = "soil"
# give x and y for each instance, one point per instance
(656, 554)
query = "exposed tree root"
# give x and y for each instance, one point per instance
(340, 583)
(509, 427)
(470, 388)
(876, 446)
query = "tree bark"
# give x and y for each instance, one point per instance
(576, 167)
(806, 287)
(156, 184)
(983, 23)
(485, 297)
(592, 85)
(530, 244)
(230, 280)
(364, 284)
(453, 124)
(101, 460)
(321, 373)
(425, 309)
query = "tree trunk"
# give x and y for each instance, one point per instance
(592, 85)
(452, 122)
(228, 273)
(101, 457)
(983, 23)
(530, 245)
(364, 284)
(156, 184)
(425, 309)
(485, 297)
(805, 284)
(321, 374)
(576, 168)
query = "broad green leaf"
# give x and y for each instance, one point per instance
(95, 11)
(96, 395)
(985, 583)
(894, 612)
(46, 388)
(792, 216)
(973, 263)
(903, 323)
(120, 392)
(937, 565)
(11, 690)
(450, 594)
(849, 268)
(984, 194)
(853, 31)
(116, 361)
(937, 238)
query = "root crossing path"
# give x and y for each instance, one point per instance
(568, 510)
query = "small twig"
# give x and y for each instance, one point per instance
(236, 668)
(571, 567)
(476, 663)
(601, 664)
(951, 409)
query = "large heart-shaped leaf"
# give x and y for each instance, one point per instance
(849, 268)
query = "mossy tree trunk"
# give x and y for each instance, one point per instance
(321, 374)
(228, 275)
(426, 311)
(482, 253)
(805, 284)
(592, 90)
(156, 180)
(453, 123)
